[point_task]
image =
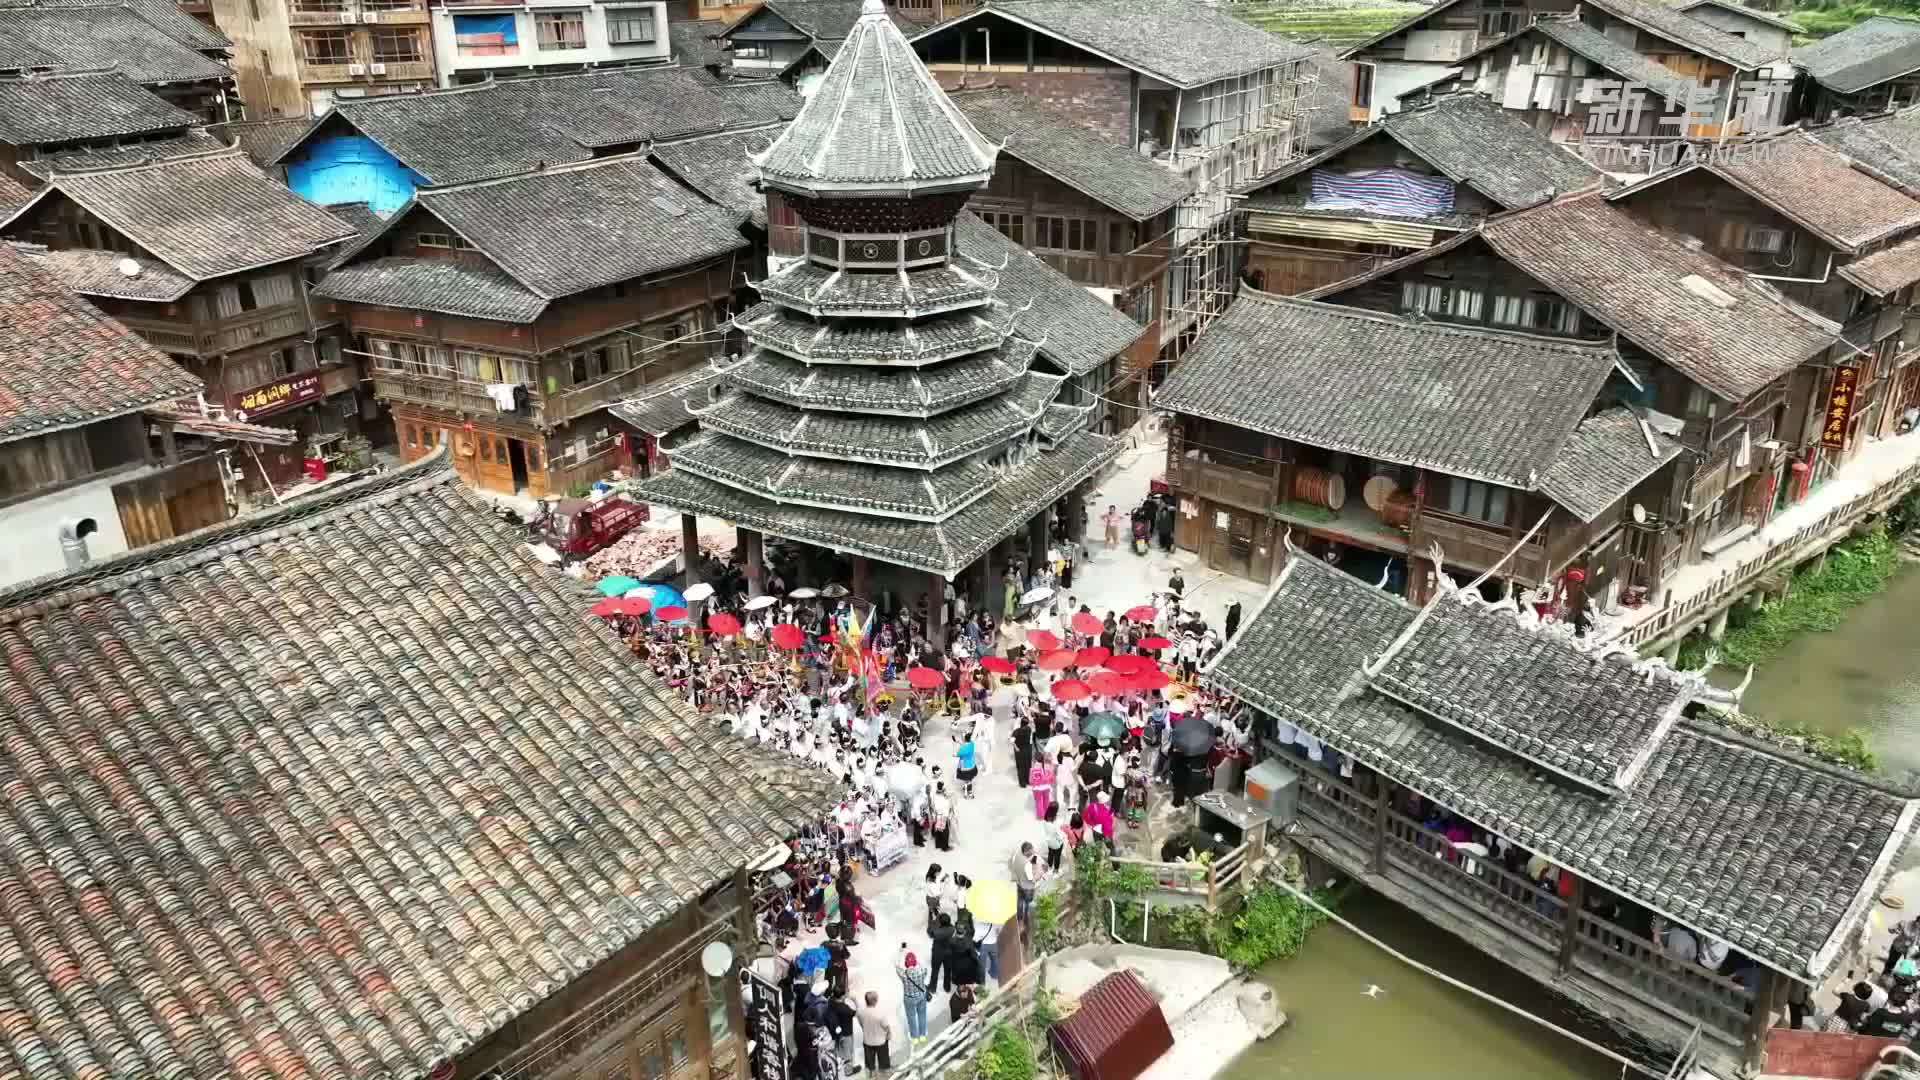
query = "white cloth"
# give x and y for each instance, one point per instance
(502, 395)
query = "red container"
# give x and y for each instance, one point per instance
(1117, 1031)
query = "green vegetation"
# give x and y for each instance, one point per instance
(1335, 21)
(1046, 922)
(1819, 600)
(1008, 1055)
(1848, 748)
(1305, 511)
(1270, 924)
(1822, 18)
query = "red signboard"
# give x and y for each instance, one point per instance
(279, 394)
(1846, 384)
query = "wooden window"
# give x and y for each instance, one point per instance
(442, 240)
(1066, 234)
(1013, 226)
(629, 26)
(486, 449)
(325, 47)
(560, 29)
(1119, 237)
(1473, 499)
(1363, 86)
(396, 45)
(1498, 18)
(1762, 239)
(1442, 300)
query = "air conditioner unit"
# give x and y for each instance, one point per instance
(356, 69)
(370, 16)
(377, 69)
(348, 16)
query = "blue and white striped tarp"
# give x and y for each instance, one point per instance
(1383, 191)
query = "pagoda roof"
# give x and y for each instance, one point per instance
(821, 290)
(918, 392)
(834, 485)
(871, 341)
(877, 123)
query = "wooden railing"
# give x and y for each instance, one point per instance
(1735, 581)
(948, 1051)
(223, 335)
(1475, 544)
(1515, 907)
(1220, 483)
(453, 395)
(1211, 882)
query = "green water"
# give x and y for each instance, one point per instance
(1419, 1026)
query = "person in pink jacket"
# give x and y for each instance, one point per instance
(1099, 817)
(1040, 782)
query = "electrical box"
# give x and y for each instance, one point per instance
(1275, 788)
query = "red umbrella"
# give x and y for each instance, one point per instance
(1155, 643)
(606, 609)
(1150, 679)
(1130, 665)
(999, 665)
(633, 605)
(1070, 690)
(1044, 640)
(1057, 660)
(724, 624)
(788, 636)
(671, 613)
(1091, 657)
(1086, 622)
(925, 678)
(1110, 683)
(1143, 613)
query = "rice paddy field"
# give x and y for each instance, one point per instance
(1331, 21)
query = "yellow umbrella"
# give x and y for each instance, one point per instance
(993, 901)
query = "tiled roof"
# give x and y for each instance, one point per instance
(1181, 43)
(825, 20)
(1606, 457)
(599, 222)
(13, 195)
(877, 120)
(771, 474)
(716, 166)
(873, 341)
(1745, 12)
(445, 286)
(165, 15)
(1472, 141)
(922, 392)
(92, 272)
(1490, 405)
(1114, 175)
(666, 405)
(205, 216)
(188, 417)
(1886, 270)
(1584, 40)
(341, 790)
(109, 38)
(65, 108)
(512, 126)
(187, 144)
(1817, 187)
(818, 290)
(759, 101)
(264, 141)
(1886, 147)
(694, 44)
(1683, 29)
(1078, 331)
(1061, 421)
(1678, 839)
(1863, 55)
(63, 363)
(946, 547)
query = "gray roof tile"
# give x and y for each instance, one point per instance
(873, 342)
(1409, 391)
(1681, 28)
(716, 166)
(1679, 838)
(1886, 270)
(1078, 331)
(264, 141)
(694, 43)
(91, 272)
(204, 216)
(446, 286)
(1863, 55)
(1886, 146)
(63, 363)
(1182, 43)
(1585, 41)
(921, 392)
(1818, 187)
(1606, 457)
(820, 290)
(406, 841)
(62, 108)
(877, 120)
(1116, 176)
(165, 15)
(665, 406)
(109, 38)
(188, 144)
(801, 481)
(1753, 13)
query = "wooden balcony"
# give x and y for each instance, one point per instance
(466, 396)
(220, 336)
(1235, 487)
(400, 70)
(1478, 546)
(1593, 961)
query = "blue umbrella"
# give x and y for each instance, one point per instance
(812, 961)
(617, 585)
(659, 595)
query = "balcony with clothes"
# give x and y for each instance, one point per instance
(357, 12)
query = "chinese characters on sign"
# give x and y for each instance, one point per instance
(282, 393)
(766, 1045)
(1833, 432)
(1686, 110)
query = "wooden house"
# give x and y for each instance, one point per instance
(1415, 178)
(59, 119)
(208, 258)
(501, 317)
(1710, 350)
(1763, 28)
(1427, 48)
(156, 45)
(1867, 68)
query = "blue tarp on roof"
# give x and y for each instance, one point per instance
(353, 169)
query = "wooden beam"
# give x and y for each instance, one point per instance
(1380, 803)
(1570, 925)
(1766, 997)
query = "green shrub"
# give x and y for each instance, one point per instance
(1046, 922)
(1008, 1055)
(1855, 571)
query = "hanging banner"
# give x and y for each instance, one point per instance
(767, 1056)
(1840, 399)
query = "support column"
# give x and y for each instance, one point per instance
(1037, 540)
(753, 544)
(996, 558)
(937, 611)
(1766, 1002)
(689, 542)
(1717, 626)
(1570, 926)
(862, 584)
(1381, 802)
(1077, 515)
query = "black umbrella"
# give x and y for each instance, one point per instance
(1192, 736)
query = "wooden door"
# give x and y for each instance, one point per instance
(1232, 547)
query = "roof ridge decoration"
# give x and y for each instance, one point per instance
(214, 152)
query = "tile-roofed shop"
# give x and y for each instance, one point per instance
(885, 408)
(1772, 853)
(449, 809)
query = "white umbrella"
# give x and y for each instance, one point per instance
(1034, 596)
(905, 780)
(804, 594)
(644, 592)
(759, 602)
(698, 592)
(1468, 847)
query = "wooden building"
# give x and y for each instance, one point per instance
(1375, 438)
(207, 257)
(59, 119)
(154, 44)
(101, 447)
(1636, 857)
(293, 58)
(1417, 177)
(793, 40)
(1712, 352)
(1870, 67)
(467, 834)
(1763, 28)
(500, 318)
(1427, 47)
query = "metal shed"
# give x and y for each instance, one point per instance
(1117, 1031)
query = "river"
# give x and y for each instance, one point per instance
(1418, 1025)
(1861, 674)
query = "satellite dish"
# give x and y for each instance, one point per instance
(1639, 514)
(128, 268)
(717, 958)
